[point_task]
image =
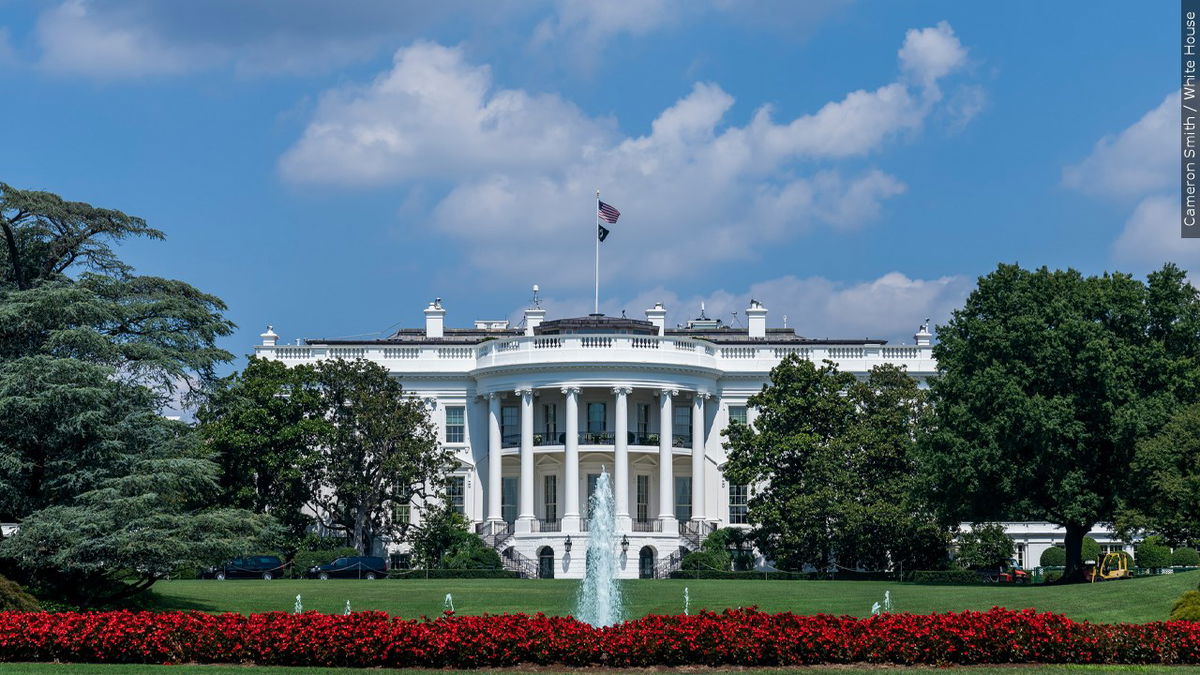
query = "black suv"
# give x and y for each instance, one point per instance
(351, 567)
(249, 567)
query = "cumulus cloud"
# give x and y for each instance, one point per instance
(890, 307)
(1141, 159)
(1140, 165)
(696, 189)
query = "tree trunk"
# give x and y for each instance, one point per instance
(360, 526)
(1073, 572)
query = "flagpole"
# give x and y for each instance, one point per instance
(596, 236)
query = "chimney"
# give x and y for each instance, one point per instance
(657, 315)
(269, 338)
(756, 319)
(435, 318)
(923, 337)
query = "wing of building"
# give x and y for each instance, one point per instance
(537, 412)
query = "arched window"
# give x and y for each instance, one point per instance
(546, 563)
(646, 563)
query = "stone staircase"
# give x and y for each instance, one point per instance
(496, 536)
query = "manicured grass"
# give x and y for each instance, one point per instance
(92, 669)
(1137, 600)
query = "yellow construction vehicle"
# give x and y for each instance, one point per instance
(1114, 565)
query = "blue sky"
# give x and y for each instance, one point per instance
(331, 167)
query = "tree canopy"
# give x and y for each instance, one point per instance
(1047, 381)
(830, 459)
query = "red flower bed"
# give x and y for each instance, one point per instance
(734, 637)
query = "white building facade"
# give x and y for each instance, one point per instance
(535, 413)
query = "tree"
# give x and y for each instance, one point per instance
(984, 546)
(1166, 481)
(442, 541)
(382, 450)
(264, 426)
(831, 457)
(135, 528)
(1152, 553)
(1047, 380)
(100, 483)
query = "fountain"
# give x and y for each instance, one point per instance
(348, 610)
(298, 608)
(448, 604)
(599, 602)
(687, 601)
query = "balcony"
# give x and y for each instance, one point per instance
(647, 526)
(595, 438)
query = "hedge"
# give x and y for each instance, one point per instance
(453, 574)
(956, 577)
(743, 637)
(775, 575)
(1185, 557)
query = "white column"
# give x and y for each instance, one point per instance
(621, 459)
(495, 482)
(525, 515)
(570, 519)
(666, 476)
(698, 511)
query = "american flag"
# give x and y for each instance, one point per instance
(608, 213)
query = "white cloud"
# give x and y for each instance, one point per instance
(1141, 159)
(696, 190)
(1151, 237)
(889, 307)
(1141, 163)
(930, 54)
(74, 39)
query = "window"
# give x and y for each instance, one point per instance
(592, 480)
(455, 424)
(739, 495)
(401, 513)
(597, 418)
(456, 494)
(738, 413)
(683, 498)
(510, 425)
(643, 498)
(643, 419)
(550, 414)
(508, 499)
(683, 421)
(550, 495)
(1021, 556)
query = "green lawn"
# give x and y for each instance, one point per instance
(90, 669)
(1137, 600)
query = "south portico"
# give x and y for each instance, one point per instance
(651, 437)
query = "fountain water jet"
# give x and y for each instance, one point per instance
(599, 602)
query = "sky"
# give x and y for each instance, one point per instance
(330, 168)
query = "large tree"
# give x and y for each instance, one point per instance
(381, 451)
(89, 352)
(1047, 381)
(264, 426)
(830, 459)
(1165, 486)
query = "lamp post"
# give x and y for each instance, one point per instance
(624, 544)
(567, 544)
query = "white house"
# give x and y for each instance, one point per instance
(537, 411)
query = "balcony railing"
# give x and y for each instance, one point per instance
(549, 525)
(647, 526)
(594, 438)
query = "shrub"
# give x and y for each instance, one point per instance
(1055, 556)
(1090, 550)
(1185, 557)
(711, 559)
(1151, 553)
(12, 597)
(1187, 607)
(469, 552)
(303, 561)
(955, 577)
(743, 637)
(1051, 576)
(453, 574)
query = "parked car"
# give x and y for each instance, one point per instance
(351, 567)
(248, 567)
